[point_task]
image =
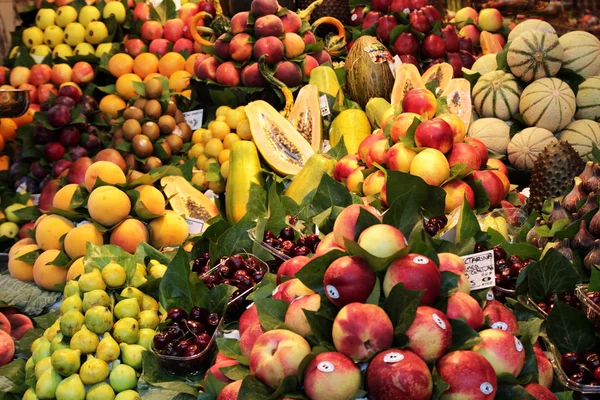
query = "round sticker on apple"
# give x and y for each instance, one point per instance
(503, 326)
(354, 17)
(489, 296)
(518, 345)
(332, 292)
(420, 260)
(393, 357)
(486, 388)
(440, 322)
(325, 366)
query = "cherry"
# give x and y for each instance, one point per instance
(176, 314)
(271, 242)
(515, 259)
(198, 314)
(195, 327)
(505, 281)
(288, 248)
(160, 341)
(544, 307)
(235, 262)
(302, 251)
(528, 261)
(515, 271)
(431, 229)
(170, 349)
(313, 241)
(287, 233)
(500, 265)
(303, 241)
(212, 321)
(596, 374)
(224, 271)
(192, 350)
(211, 280)
(592, 361)
(268, 235)
(202, 340)
(569, 362)
(258, 277)
(292, 220)
(182, 346)
(499, 253)
(594, 297)
(577, 378)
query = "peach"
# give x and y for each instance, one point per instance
(239, 22)
(39, 74)
(215, 370)
(277, 354)
(291, 266)
(240, 48)
(436, 134)
(135, 47)
(505, 181)
(309, 37)
(461, 305)
(289, 73)
(322, 57)
(129, 234)
(539, 392)
(378, 153)
(198, 58)
(248, 318)
(76, 240)
(398, 374)
(345, 166)
(188, 10)
(291, 22)
(46, 91)
(327, 244)
(400, 157)
(173, 29)
(107, 171)
(345, 224)
(113, 156)
(7, 348)
(108, 205)
(348, 280)
(18, 76)
(373, 183)
(5, 324)
(269, 46)
(494, 163)
(78, 169)
(503, 350)
(464, 14)
(168, 230)
(401, 124)
(365, 146)
(249, 337)
(471, 32)
(362, 330)
(469, 375)
(83, 72)
(47, 275)
(458, 127)
(263, 7)
(490, 19)
(76, 269)
(545, 371)
(221, 47)
(290, 290)
(183, 44)
(151, 30)
(331, 376)
(370, 240)
(500, 317)
(451, 262)
(251, 77)
(421, 102)
(355, 180)
(19, 324)
(50, 230)
(456, 190)
(33, 97)
(62, 198)
(430, 334)
(231, 391)
(432, 166)
(19, 245)
(310, 63)
(295, 317)
(141, 11)
(227, 74)
(491, 183)
(151, 202)
(207, 69)
(159, 46)
(416, 272)
(466, 155)
(268, 25)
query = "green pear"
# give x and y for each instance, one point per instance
(84, 340)
(100, 391)
(128, 395)
(99, 319)
(71, 303)
(71, 388)
(95, 298)
(148, 303)
(108, 349)
(51, 332)
(45, 387)
(60, 341)
(146, 337)
(66, 361)
(91, 281)
(93, 370)
(30, 394)
(127, 330)
(45, 18)
(42, 366)
(131, 354)
(133, 293)
(113, 274)
(74, 34)
(123, 377)
(71, 288)
(42, 350)
(71, 322)
(148, 319)
(36, 343)
(127, 308)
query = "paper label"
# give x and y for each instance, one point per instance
(195, 226)
(480, 270)
(394, 65)
(324, 104)
(36, 199)
(378, 53)
(194, 118)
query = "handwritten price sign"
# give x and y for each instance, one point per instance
(480, 270)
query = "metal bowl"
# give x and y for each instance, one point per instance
(13, 102)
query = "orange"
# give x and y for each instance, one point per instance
(151, 76)
(8, 128)
(4, 163)
(25, 119)
(145, 64)
(125, 86)
(179, 80)
(120, 64)
(112, 104)
(171, 62)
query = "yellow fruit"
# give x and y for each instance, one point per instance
(120, 64)
(199, 179)
(233, 118)
(168, 230)
(208, 162)
(230, 139)
(62, 51)
(84, 49)
(115, 9)
(196, 151)
(213, 147)
(95, 32)
(65, 15)
(112, 104)
(222, 110)
(88, 14)
(243, 130)
(50, 230)
(74, 33)
(219, 129)
(179, 80)
(223, 156)
(206, 136)
(125, 87)
(225, 169)
(170, 63)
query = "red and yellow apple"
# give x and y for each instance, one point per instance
(295, 317)
(291, 266)
(290, 290)
(500, 317)
(400, 157)
(416, 272)
(469, 375)
(331, 376)
(371, 240)
(348, 279)
(345, 224)
(503, 350)
(456, 190)
(432, 166)
(430, 334)
(435, 134)
(461, 305)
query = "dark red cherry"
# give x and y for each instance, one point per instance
(202, 340)
(569, 363)
(176, 314)
(499, 253)
(287, 233)
(192, 350)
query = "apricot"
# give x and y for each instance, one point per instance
(251, 77)
(270, 46)
(129, 234)
(46, 275)
(108, 205)
(49, 231)
(107, 171)
(76, 240)
(62, 198)
(75, 269)
(168, 230)
(150, 203)
(113, 156)
(240, 47)
(19, 269)
(7, 348)
(19, 245)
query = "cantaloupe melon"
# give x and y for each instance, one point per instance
(485, 64)
(548, 103)
(588, 99)
(496, 94)
(581, 53)
(525, 147)
(535, 54)
(581, 135)
(528, 25)
(493, 132)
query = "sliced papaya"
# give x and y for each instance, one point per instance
(282, 147)
(309, 177)
(244, 169)
(187, 200)
(407, 78)
(306, 116)
(440, 74)
(458, 96)
(326, 80)
(489, 43)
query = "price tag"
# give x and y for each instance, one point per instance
(393, 66)
(480, 270)
(195, 226)
(325, 146)
(324, 104)
(194, 118)
(36, 199)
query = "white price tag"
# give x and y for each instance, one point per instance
(36, 199)
(480, 269)
(325, 146)
(195, 226)
(324, 104)
(393, 66)
(194, 118)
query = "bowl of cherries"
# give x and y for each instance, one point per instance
(579, 372)
(186, 342)
(286, 245)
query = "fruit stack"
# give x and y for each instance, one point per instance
(13, 224)
(12, 325)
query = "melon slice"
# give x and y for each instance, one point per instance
(407, 78)
(458, 96)
(440, 74)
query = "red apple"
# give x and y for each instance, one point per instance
(420, 101)
(401, 6)
(416, 272)
(430, 334)
(469, 375)
(435, 134)
(28, 227)
(491, 183)
(419, 21)
(370, 19)
(78, 169)
(481, 148)
(290, 290)
(385, 26)
(503, 350)
(348, 280)
(463, 306)
(433, 46)
(494, 163)
(345, 166)
(331, 375)
(295, 317)
(291, 266)
(248, 318)
(500, 317)
(345, 224)
(406, 43)
(381, 5)
(249, 337)
(327, 244)
(370, 240)
(539, 392)
(545, 371)
(456, 190)
(466, 155)
(365, 146)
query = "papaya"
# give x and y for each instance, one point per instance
(407, 78)
(244, 168)
(282, 147)
(325, 79)
(305, 116)
(458, 96)
(440, 74)
(378, 110)
(353, 125)
(489, 44)
(187, 200)
(309, 177)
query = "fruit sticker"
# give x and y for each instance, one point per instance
(378, 53)
(503, 326)
(436, 318)
(326, 366)
(332, 292)
(421, 260)
(489, 296)
(392, 358)
(486, 388)
(518, 345)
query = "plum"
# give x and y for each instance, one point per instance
(61, 166)
(59, 115)
(54, 151)
(78, 152)
(42, 135)
(65, 101)
(38, 170)
(69, 136)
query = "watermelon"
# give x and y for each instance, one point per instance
(528, 25)
(534, 55)
(496, 94)
(581, 135)
(525, 147)
(493, 132)
(581, 53)
(548, 103)
(588, 99)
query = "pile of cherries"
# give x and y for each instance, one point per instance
(286, 244)
(187, 334)
(568, 298)
(434, 225)
(583, 368)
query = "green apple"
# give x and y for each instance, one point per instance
(88, 14)
(95, 32)
(40, 50)
(65, 15)
(62, 51)
(45, 18)
(32, 37)
(106, 48)
(83, 49)
(10, 212)
(9, 230)
(74, 34)
(115, 8)
(53, 36)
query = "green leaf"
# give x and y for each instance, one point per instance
(231, 348)
(403, 213)
(375, 293)
(463, 336)
(253, 389)
(432, 199)
(215, 299)
(235, 372)
(365, 219)
(312, 274)
(12, 377)
(530, 368)
(271, 312)
(509, 392)
(523, 250)
(339, 150)
(409, 139)
(144, 253)
(439, 385)
(176, 288)
(320, 328)
(595, 153)
(233, 240)
(482, 199)
(213, 385)
(28, 213)
(159, 377)
(29, 258)
(330, 193)
(401, 306)
(570, 330)
(468, 226)
(553, 273)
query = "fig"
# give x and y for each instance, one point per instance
(131, 292)
(95, 298)
(66, 361)
(71, 322)
(558, 213)
(58, 342)
(45, 387)
(592, 183)
(108, 349)
(131, 354)
(126, 330)
(71, 388)
(40, 350)
(148, 303)
(123, 377)
(146, 336)
(100, 391)
(127, 308)
(94, 370)
(71, 303)
(84, 340)
(99, 319)
(71, 288)
(593, 257)
(148, 319)
(114, 275)
(42, 366)
(590, 205)
(569, 202)
(91, 281)
(587, 172)
(583, 239)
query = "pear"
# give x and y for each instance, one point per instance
(52, 331)
(88, 14)
(45, 18)
(60, 341)
(113, 274)
(32, 36)
(148, 303)
(127, 330)
(74, 33)
(108, 348)
(128, 395)
(127, 308)
(84, 340)
(93, 371)
(62, 51)
(71, 288)
(66, 361)
(95, 298)
(158, 271)
(65, 15)
(83, 49)
(138, 280)
(123, 377)
(99, 319)
(71, 322)
(100, 391)
(53, 36)
(42, 350)
(71, 388)
(42, 366)
(148, 319)
(40, 50)
(30, 394)
(146, 337)
(131, 292)
(45, 387)
(35, 343)
(95, 32)
(91, 281)
(131, 354)
(71, 303)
